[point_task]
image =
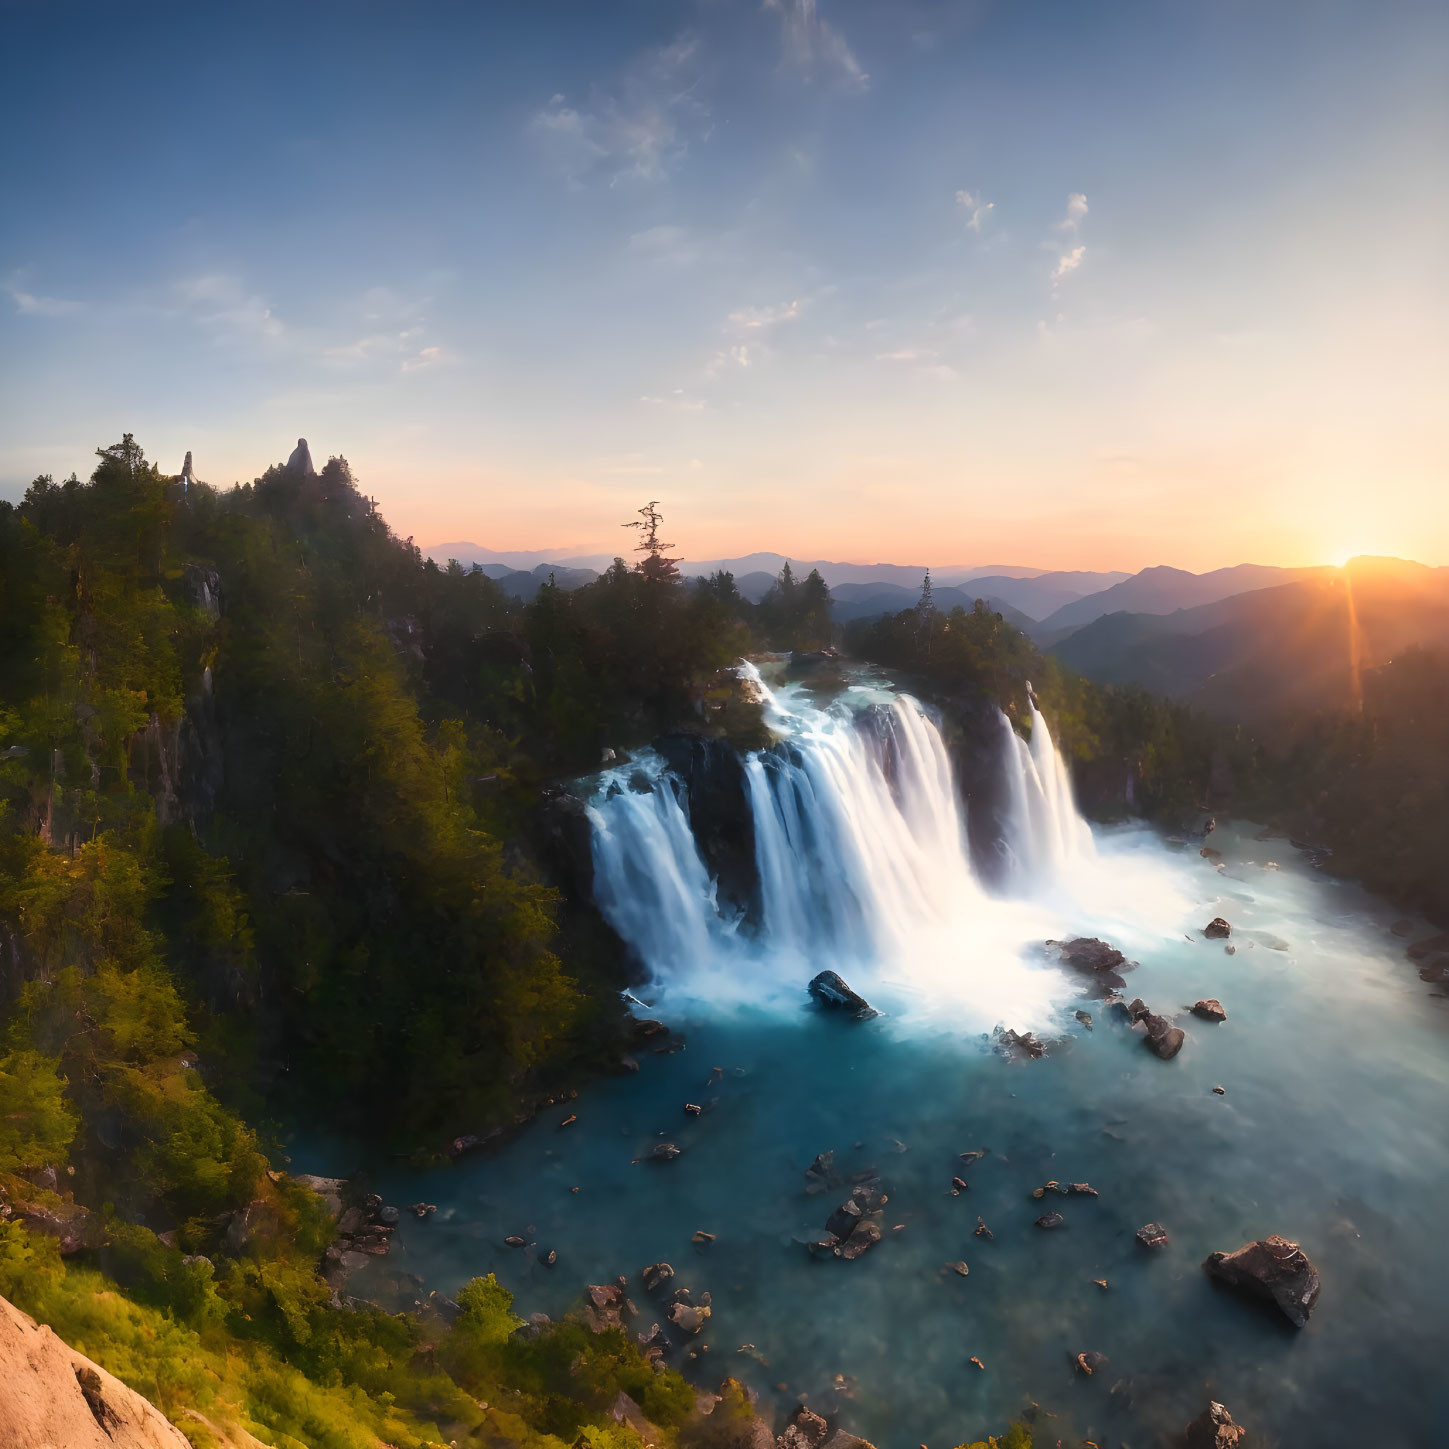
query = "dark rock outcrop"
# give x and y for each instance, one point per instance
(717, 801)
(1163, 1039)
(831, 990)
(1095, 959)
(1217, 929)
(1273, 1268)
(1210, 1009)
(1214, 1429)
(1153, 1235)
(301, 460)
(1023, 1042)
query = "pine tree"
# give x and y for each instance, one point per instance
(657, 566)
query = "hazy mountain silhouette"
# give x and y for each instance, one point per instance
(1300, 645)
(1163, 590)
(1035, 592)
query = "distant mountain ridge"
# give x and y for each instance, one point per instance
(1163, 589)
(1299, 645)
(1063, 584)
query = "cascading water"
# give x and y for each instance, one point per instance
(1042, 838)
(862, 861)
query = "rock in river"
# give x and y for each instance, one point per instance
(1209, 1010)
(1153, 1235)
(1271, 1268)
(1217, 929)
(1214, 1429)
(831, 990)
(1162, 1037)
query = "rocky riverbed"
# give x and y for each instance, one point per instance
(1039, 1225)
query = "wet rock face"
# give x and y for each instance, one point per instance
(1210, 1010)
(1217, 929)
(1214, 1429)
(832, 991)
(1163, 1039)
(1275, 1269)
(718, 804)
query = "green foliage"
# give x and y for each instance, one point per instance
(36, 1122)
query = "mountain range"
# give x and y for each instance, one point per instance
(1300, 645)
(1218, 639)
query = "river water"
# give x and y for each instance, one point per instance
(1331, 1130)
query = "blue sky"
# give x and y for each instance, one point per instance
(1072, 285)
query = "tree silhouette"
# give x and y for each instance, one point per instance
(657, 566)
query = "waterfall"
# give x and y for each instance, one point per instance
(1042, 836)
(861, 855)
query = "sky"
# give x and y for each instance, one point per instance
(946, 281)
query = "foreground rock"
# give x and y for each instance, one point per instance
(856, 1225)
(1217, 929)
(1214, 1429)
(1272, 1268)
(831, 990)
(1209, 1010)
(1022, 1042)
(1163, 1038)
(1094, 958)
(52, 1397)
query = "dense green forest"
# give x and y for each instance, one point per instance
(270, 788)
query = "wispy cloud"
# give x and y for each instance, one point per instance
(1070, 252)
(425, 357)
(727, 359)
(1068, 262)
(29, 304)
(922, 360)
(813, 46)
(221, 303)
(637, 130)
(753, 319)
(975, 208)
(1076, 210)
(677, 401)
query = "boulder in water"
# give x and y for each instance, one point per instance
(688, 1317)
(1024, 1042)
(1214, 1429)
(1273, 1268)
(1153, 1235)
(663, 1152)
(656, 1276)
(821, 1175)
(865, 1234)
(1209, 1010)
(831, 990)
(1103, 964)
(1217, 929)
(1051, 1220)
(805, 1430)
(1163, 1039)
